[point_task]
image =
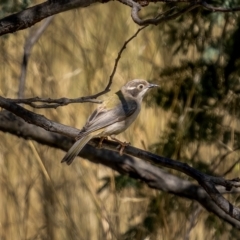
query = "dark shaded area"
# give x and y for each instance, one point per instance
(203, 94)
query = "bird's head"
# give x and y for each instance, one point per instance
(137, 88)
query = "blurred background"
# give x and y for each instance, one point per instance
(193, 117)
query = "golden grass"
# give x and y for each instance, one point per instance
(43, 199)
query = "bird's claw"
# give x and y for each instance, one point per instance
(101, 141)
(122, 146)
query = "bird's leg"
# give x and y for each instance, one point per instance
(122, 144)
(101, 141)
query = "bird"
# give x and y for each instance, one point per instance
(113, 116)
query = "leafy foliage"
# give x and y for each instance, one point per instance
(11, 6)
(204, 91)
(201, 91)
(199, 96)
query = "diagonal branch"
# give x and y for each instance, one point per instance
(107, 89)
(36, 119)
(166, 16)
(163, 17)
(32, 15)
(207, 182)
(120, 54)
(54, 103)
(136, 168)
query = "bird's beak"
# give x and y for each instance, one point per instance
(152, 85)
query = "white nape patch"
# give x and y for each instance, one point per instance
(131, 88)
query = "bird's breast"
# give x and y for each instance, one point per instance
(121, 126)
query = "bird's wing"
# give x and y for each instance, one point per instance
(105, 115)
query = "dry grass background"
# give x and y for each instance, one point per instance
(43, 199)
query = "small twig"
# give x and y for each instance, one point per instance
(162, 17)
(52, 103)
(222, 158)
(136, 7)
(107, 88)
(231, 168)
(120, 53)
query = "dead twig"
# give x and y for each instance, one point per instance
(166, 16)
(54, 103)
(107, 89)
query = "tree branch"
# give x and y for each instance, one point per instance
(37, 119)
(32, 15)
(107, 89)
(207, 182)
(54, 103)
(165, 16)
(136, 168)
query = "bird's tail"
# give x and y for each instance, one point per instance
(76, 148)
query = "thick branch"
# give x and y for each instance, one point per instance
(207, 182)
(32, 15)
(135, 168)
(36, 119)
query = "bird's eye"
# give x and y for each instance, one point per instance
(140, 86)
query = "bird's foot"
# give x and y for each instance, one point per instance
(101, 141)
(122, 145)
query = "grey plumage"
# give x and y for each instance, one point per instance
(112, 117)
